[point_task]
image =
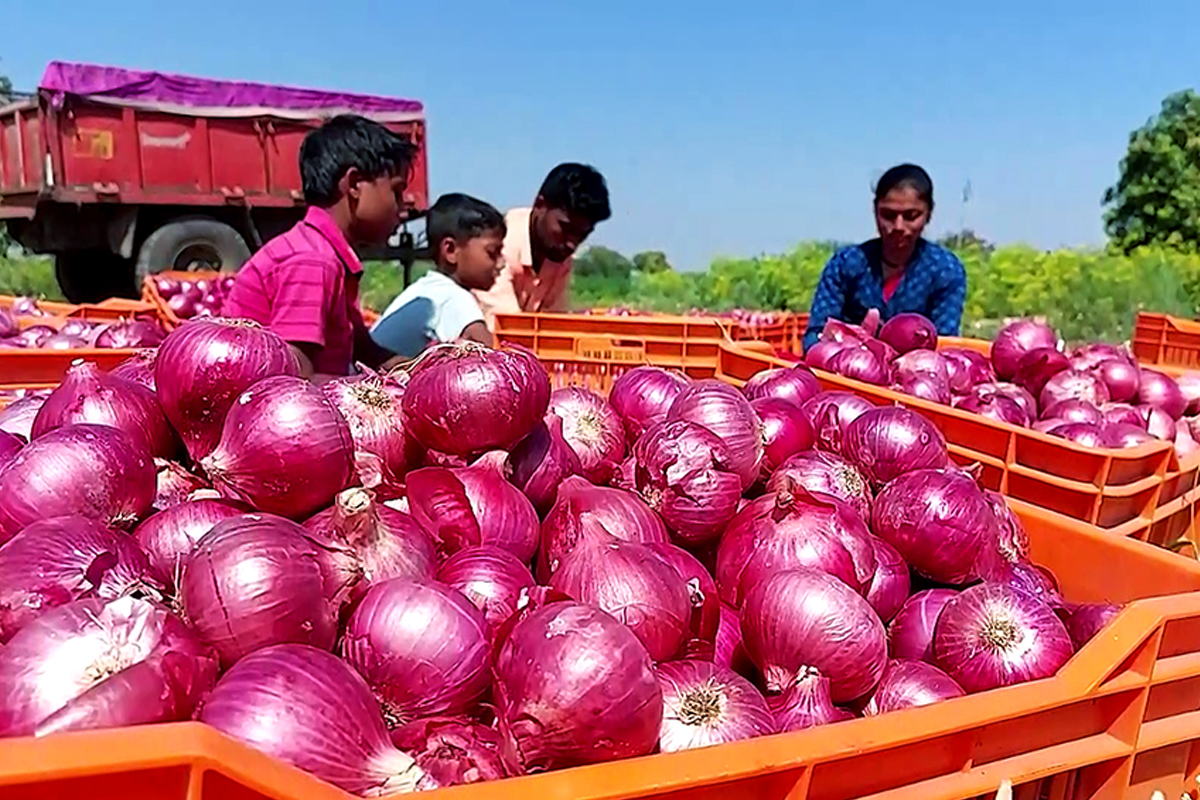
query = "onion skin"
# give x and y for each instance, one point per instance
(723, 410)
(466, 399)
(922, 362)
(131, 334)
(169, 535)
(805, 618)
(94, 471)
(421, 646)
(310, 709)
(138, 368)
(203, 366)
(371, 405)
(995, 405)
(1081, 433)
(705, 704)
(888, 442)
(1122, 413)
(702, 592)
(258, 580)
(806, 704)
(18, 416)
(831, 413)
(56, 561)
(1157, 389)
(586, 695)
(1036, 367)
(284, 449)
(966, 369)
(473, 506)
(593, 429)
(1074, 385)
(794, 384)
(911, 684)
(891, 583)
(821, 354)
(541, 462)
(639, 590)
(825, 473)
(908, 332)
(861, 364)
(926, 387)
(491, 578)
(685, 473)
(910, 635)
(1086, 620)
(1121, 377)
(89, 396)
(1015, 340)
(174, 485)
(1075, 411)
(10, 445)
(1123, 436)
(643, 396)
(991, 635)
(786, 431)
(451, 751)
(728, 650)
(940, 523)
(98, 663)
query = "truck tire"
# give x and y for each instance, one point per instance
(89, 276)
(194, 243)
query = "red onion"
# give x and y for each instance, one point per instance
(910, 635)
(806, 703)
(1036, 367)
(805, 618)
(174, 484)
(1189, 384)
(8, 324)
(966, 368)
(53, 562)
(706, 704)
(1022, 398)
(908, 332)
(922, 363)
(23, 306)
(586, 512)
(1073, 385)
(1014, 541)
(285, 449)
(422, 648)
(257, 580)
(702, 591)
(926, 387)
(1083, 434)
(169, 535)
(727, 646)
(203, 366)
(18, 416)
(452, 752)
(994, 405)
(1159, 423)
(685, 473)
(861, 364)
(371, 406)
(138, 368)
(831, 413)
(473, 506)
(1086, 620)
(87, 395)
(723, 410)
(99, 663)
(825, 473)
(1122, 413)
(592, 428)
(992, 635)
(94, 471)
(1090, 356)
(10, 445)
(1015, 340)
(574, 686)
(310, 709)
(821, 354)
(36, 335)
(643, 396)
(63, 341)
(795, 384)
(940, 522)
(489, 577)
(465, 399)
(131, 334)
(786, 431)
(1122, 436)
(638, 589)
(887, 442)
(1157, 389)
(1120, 377)
(1074, 411)
(837, 331)
(911, 684)
(891, 583)
(541, 461)
(376, 543)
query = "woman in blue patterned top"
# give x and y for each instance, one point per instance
(898, 272)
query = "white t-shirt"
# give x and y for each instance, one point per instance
(433, 309)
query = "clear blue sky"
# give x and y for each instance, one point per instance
(723, 128)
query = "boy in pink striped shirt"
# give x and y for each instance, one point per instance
(303, 284)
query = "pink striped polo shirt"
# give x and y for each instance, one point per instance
(303, 285)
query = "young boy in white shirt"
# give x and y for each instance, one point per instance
(467, 239)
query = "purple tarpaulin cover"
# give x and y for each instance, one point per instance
(139, 87)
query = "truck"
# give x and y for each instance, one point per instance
(119, 174)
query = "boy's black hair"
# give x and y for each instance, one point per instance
(577, 189)
(460, 217)
(350, 141)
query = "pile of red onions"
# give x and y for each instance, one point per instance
(194, 297)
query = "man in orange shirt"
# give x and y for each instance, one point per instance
(542, 240)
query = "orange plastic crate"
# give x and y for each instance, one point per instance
(1118, 722)
(1166, 340)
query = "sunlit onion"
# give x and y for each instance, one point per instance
(18, 416)
(1036, 367)
(806, 703)
(910, 634)
(786, 431)
(966, 368)
(1015, 340)
(825, 473)
(887, 442)
(891, 583)
(1161, 391)
(831, 413)
(542, 461)
(1121, 377)
(592, 428)
(861, 364)
(706, 704)
(643, 396)
(910, 684)
(451, 751)
(725, 412)
(1075, 411)
(131, 334)
(908, 332)
(491, 578)
(794, 384)
(1073, 385)
(926, 387)
(138, 368)
(371, 405)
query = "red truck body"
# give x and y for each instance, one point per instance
(98, 161)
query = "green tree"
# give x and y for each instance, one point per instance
(966, 239)
(652, 261)
(1156, 200)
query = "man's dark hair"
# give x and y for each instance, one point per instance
(577, 189)
(350, 141)
(461, 217)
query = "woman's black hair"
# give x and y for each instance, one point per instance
(909, 175)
